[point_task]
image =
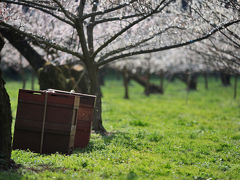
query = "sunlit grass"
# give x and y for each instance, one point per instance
(171, 136)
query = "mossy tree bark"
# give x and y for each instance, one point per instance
(5, 123)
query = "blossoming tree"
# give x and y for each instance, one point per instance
(98, 32)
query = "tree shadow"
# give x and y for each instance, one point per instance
(10, 174)
(118, 138)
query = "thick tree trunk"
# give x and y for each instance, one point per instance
(225, 78)
(101, 76)
(5, 127)
(125, 83)
(97, 125)
(5, 123)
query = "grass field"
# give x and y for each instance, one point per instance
(170, 136)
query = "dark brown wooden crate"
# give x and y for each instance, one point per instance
(60, 121)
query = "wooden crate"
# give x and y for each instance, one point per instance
(46, 121)
(85, 117)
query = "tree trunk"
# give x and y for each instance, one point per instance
(5, 127)
(5, 123)
(192, 84)
(205, 80)
(147, 88)
(101, 76)
(97, 125)
(161, 80)
(125, 83)
(225, 78)
(142, 81)
(235, 86)
(19, 42)
(190, 80)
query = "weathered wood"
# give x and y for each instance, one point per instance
(51, 121)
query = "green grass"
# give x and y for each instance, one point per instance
(170, 136)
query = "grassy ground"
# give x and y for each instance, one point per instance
(170, 136)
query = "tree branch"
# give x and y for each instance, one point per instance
(41, 9)
(30, 4)
(19, 42)
(136, 44)
(81, 8)
(65, 12)
(117, 18)
(108, 10)
(42, 40)
(105, 44)
(213, 31)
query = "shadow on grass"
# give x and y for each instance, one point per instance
(10, 175)
(122, 139)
